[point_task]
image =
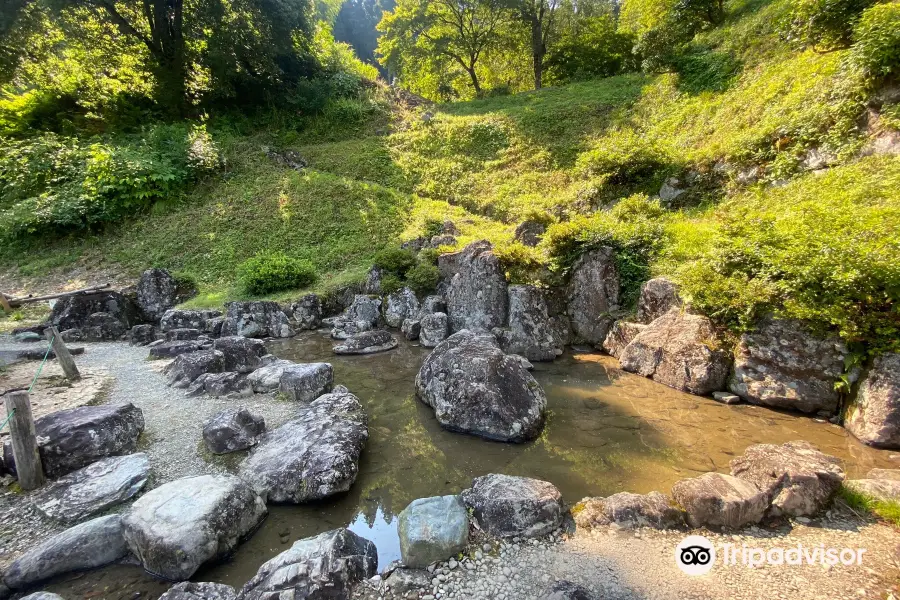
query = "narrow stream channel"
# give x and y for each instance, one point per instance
(608, 431)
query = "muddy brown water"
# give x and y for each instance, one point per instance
(607, 431)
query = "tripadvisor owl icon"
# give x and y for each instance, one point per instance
(695, 555)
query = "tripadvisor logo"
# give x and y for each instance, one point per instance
(695, 555)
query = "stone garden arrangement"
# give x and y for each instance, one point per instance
(485, 334)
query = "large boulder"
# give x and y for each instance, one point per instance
(94, 488)
(433, 329)
(228, 384)
(529, 331)
(620, 335)
(432, 530)
(76, 437)
(157, 292)
(781, 364)
(174, 348)
(97, 327)
(267, 377)
(306, 382)
(188, 590)
(256, 320)
(476, 293)
(308, 312)
(629, 511)
(401, 305)
(324, 567)
(681, 350)
(367, 342)
(187, 319)
(593, 295)
(72, 312)
(432, 304)
(182, 335)
(507, 506)
(141, 335)
(242, 355)
(798, 479)
(180, 525)
(85, 546)
(885, 490)
(363, 314)
(187, 367)
(411, 328)
(717, 500)
(874, 416)
(658, 296)
(312, 456)
(232, 429)
(474, 387)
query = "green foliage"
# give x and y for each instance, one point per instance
(274, 272)
(704, 70)
(889, 510)
(825, 23)
(594, 49)
(423, 278)
(396, 261)
(876, 41)
(624, 157)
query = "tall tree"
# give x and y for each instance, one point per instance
(539, 17)
(356, 24)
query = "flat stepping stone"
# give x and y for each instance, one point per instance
(367, 342)
(94, 488)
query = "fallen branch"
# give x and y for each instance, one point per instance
(14, 302)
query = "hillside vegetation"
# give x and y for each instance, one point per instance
(784, 209)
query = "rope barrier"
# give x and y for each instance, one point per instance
(8, 417)
(40, 368)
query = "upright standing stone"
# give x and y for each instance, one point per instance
(874, 416)
(477, 295)
(593, 295)
(156, 293)
(432, 530)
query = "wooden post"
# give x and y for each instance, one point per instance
(4, 304)
(24, 440)
(62, 354)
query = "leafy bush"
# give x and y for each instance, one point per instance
(274, 272)
(825, 23)
(876, 41)
(396, 261)
(423, 278)
(595, 49)
(624, 157)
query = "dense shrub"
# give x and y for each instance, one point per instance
(423, 278)
(274, 272)
(876, 41)
(595, 49)
(396, 261)
(624, 157)
(825, 23)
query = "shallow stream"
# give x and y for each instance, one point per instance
(608, 431)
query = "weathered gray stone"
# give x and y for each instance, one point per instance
(308, 312)
(401, 305)
(182, 335)
(620, 335)
(530, 232)
(476, 295)
(475, 388)
(306, 382)
(529, 331)
(174, 348)
(232, 429)
(97, 327)
(680, 350)
(157, 292)
(629, 511)
(405, 581)
(432, 304)
(783, 365)
(593, 295)
(889, 474)
(362, 315)
(717, 500)
(187, 319)
(670, 190)
(726, 398)
(267, 378)
(188, 590)
(72, 312)
(242, 355)
(324, 567)
(312, 456)
(367, 342)
(658, 296)
(94, 488)
(886, 490)
(566, 590)
(433, 329)
(506, 506)
(432, 530)
(798, 479)
(217, 385)
(42, 596)
(141, 335)
(85, 546)
(187, 367)
(180, 525)
(874, 416)
(257, 319)
(410, 329)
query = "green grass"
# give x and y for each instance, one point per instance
(889, 510)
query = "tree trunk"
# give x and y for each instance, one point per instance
(475, 83)
(538, 50)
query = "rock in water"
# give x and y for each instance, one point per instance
(620, 335)
(432, 530)
(783, 365)
(188, 590)
(630, 511)
(86, 546)
(529, 331)
(798, 479)
(187, 319)
(242, 355)
(658, 296)
(433, 329)
(476, 295)
(411, 329)
(308, 312)
(566, 590)
(232, 429)
(182, 524)
(313, 456)
(506, 506)
(157, 291)
(324, 567)
(401, 305)
(74, 438)
(42, 596)
(874, 416)
(717, 500)
(367, 342)
(680, 350)
(593, 295)
(96, 487)
(256, 320)
(306, 382)
(363, 314)
(475, 388)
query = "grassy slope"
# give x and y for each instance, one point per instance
(491, 163)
